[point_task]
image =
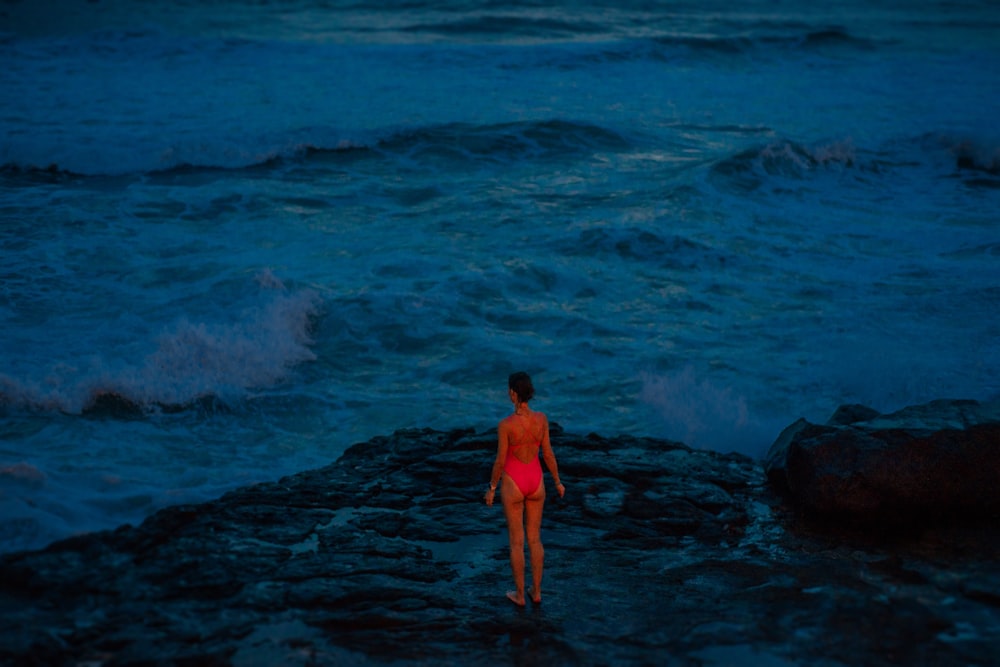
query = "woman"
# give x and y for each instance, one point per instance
(520, 437)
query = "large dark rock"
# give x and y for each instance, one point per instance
(926, 462)
(659, 554)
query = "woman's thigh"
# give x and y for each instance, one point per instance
(533, 506)
(513, 506)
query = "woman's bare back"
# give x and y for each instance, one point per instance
(525, 437)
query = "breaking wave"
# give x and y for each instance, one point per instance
(749, 169)
(193, 362)
(461, 142)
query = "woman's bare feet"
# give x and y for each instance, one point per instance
(537, 599)
(515, 598)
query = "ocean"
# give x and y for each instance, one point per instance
(238, 237)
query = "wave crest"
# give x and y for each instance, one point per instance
(978, 156)
(749, 169)
(461, 142)
(674, 48)
(816, 40)
(505, 141)
(194, 363)
(508, 26)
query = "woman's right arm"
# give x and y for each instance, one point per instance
(498, 463)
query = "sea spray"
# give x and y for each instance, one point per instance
(191, 360)
(699, 412)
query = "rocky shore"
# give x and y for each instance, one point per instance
(658, 554)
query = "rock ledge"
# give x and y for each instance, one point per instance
(930, 462)
(659, 554)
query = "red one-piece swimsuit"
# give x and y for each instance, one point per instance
(527, 476)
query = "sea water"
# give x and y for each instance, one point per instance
(237, 237)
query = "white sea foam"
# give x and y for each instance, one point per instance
(191, 360)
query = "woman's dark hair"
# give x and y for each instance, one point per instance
(520, 382)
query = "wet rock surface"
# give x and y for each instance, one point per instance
(940, 460)
(658, 554)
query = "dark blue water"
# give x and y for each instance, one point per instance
(274, 230)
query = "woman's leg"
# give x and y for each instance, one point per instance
(513, 509)
(533, 505)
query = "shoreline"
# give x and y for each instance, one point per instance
(389, 556)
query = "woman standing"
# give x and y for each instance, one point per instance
(520, 437)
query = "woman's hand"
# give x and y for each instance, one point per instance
(489, 496)
(561, 489)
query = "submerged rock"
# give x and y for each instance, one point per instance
(658, 554)
(925, 462)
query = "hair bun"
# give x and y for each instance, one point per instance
(520, 383)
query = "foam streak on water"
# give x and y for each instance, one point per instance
(238, 237)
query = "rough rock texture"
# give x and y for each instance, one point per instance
(657, 555)
(933, 461)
